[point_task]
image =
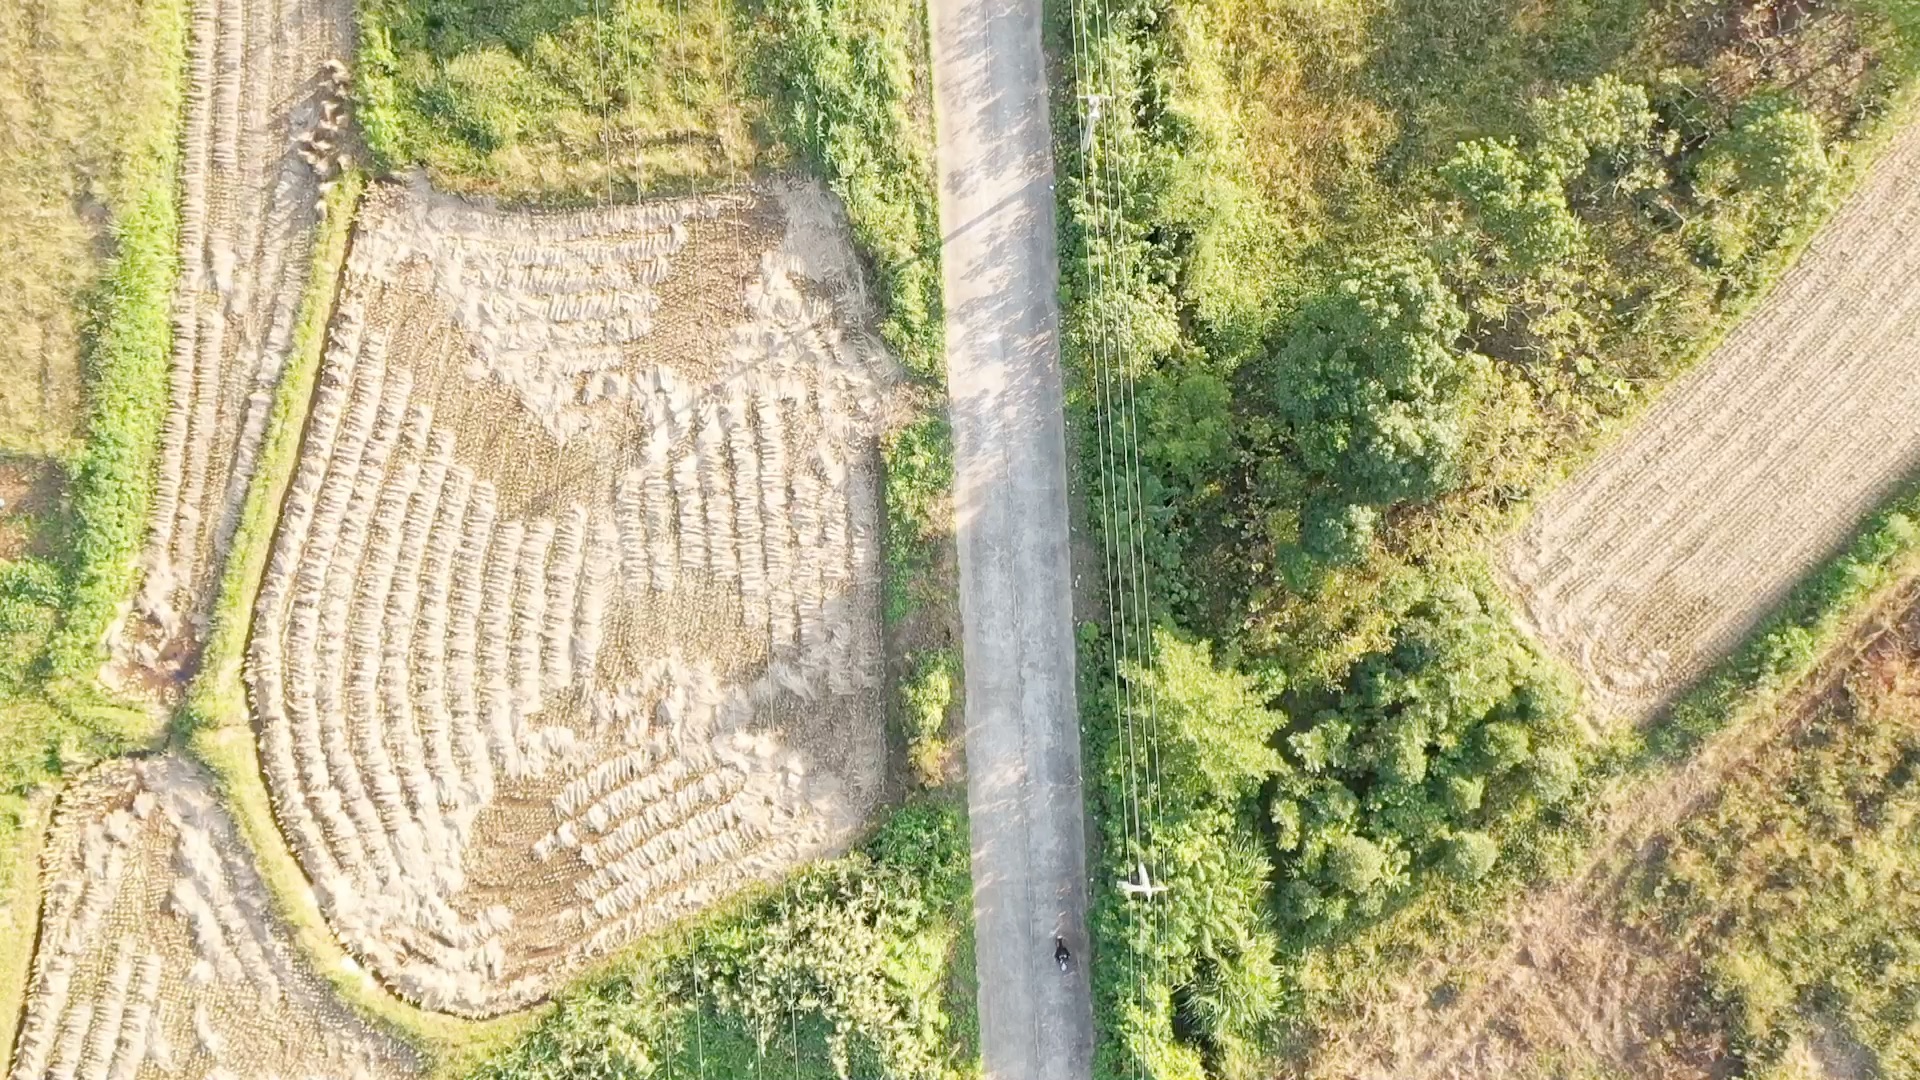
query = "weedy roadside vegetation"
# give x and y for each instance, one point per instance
(841, 972)
(1347, 285)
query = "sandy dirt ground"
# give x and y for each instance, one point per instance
(160, 954)
(1004, 381)
(1657, 558)
(265, 128)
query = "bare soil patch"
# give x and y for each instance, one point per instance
(159, 954)
(572, 622)
(1664, 552)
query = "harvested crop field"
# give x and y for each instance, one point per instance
(1664, 552)
(265, 129)
(159, 955)
(571, 625)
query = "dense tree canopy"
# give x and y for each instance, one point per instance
(1449, 734)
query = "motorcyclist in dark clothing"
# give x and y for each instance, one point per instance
(1060, 954)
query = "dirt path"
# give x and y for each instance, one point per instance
(1003, 356)
(1661, 554)
(258, 82)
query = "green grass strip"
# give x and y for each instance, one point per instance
(130, 344)
(217, 695)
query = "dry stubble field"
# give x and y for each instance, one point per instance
(159, 953)
(265, 128)
(1660, 555)
(572, 625)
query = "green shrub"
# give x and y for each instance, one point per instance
(1372, 394)
(1469, 855)
(1761, 181)
(919, 497)
(1452, 734)
(1519, 203)
(928, 696)
(30, 594)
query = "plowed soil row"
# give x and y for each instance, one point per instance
(1662, 554)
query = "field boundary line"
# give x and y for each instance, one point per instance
(215, 728)
(21, 902)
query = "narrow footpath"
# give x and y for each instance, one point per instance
(1003, 375)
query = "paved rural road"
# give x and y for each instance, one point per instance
(1003, 374)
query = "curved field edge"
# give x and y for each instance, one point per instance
(215, 726)
(20, 911)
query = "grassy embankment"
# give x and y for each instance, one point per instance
(548, 105)
(1368, 276)
(1793, 897)
(87, 219)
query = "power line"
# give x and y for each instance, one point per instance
(1124, 515)
(699, 1036)
(1102, 232)
(600, 27)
